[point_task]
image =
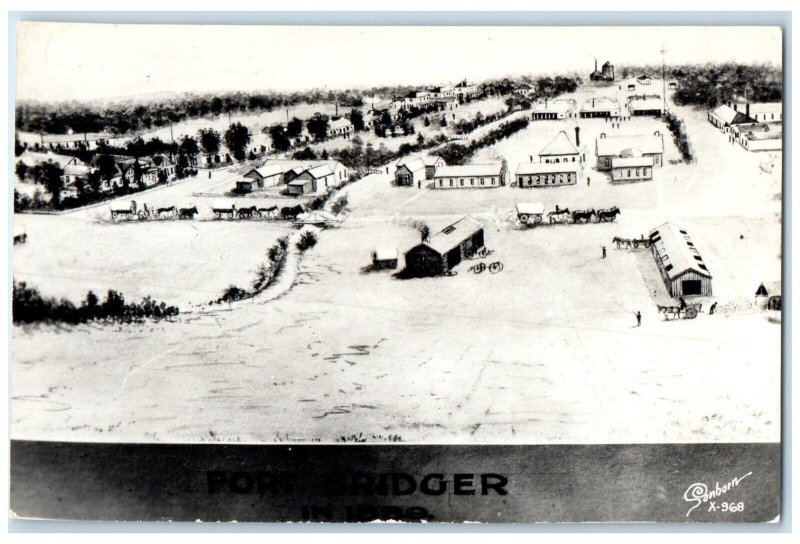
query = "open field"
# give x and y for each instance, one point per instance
(545, 351)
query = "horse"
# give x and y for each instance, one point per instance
(171, 210)
(246, 213)
(291, 212)
(583, 216)
(608, 215)
(621, 241)
(268, 212)
(187, 213)
(558, 216)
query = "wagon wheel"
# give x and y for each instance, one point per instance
(523, 218)
(495, 267)
(478, 268)
(483, 252)
(691, 312)
(535, 220)
(647, 244)
(636, 244)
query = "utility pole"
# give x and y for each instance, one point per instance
(664, 80)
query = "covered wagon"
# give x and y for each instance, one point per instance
(123, 209)
(317, 219)
(222, 208)
(530, 213)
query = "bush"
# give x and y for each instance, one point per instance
(307, 241)
(266, 275)
(679, 136)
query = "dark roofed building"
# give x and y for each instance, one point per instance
(445, 249)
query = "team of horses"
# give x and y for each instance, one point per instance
(564, 215)
(190, 212)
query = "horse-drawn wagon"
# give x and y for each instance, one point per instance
(530, 213)
(223, 208)
(124, 209)
(631, 243)
(683, 311)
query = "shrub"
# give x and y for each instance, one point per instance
(679, 136)
(307, 241)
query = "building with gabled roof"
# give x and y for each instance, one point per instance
(548, 109)
(682, 267)
(410, 172)
(652, 105)
(610, 147)
(600, 107)
(560, 149)
(445, 249)
(541, 174)
(469, 176)
(724, 117)
(267, 175)
(768, 295)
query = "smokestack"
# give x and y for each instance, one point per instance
(747, 109)
(595, 64)
(577, 136)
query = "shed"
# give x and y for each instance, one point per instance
(300, 186)
(384, 258)
(445, 249)
(679, 261)
(244, 186)
(768, 295)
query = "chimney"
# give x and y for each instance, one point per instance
(747, 109)
(577, 136)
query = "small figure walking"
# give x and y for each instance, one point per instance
(604, 252)
(419, 184)
(588, 181)
(638, 319)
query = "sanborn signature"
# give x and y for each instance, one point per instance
(698, 493)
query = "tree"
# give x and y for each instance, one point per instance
(324, 155)
(294, 128)
(280, 140)
(443, 122)
(305, 154)
(18, 147)
(209, 140)
(426, 122)
(21, 169)
(357, 118)
(94, 181)
(190, 148)
(182, 164)
(318, 126)
(106, 166)
(52, 177)
(236, 139)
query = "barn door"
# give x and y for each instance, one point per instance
(692, 287)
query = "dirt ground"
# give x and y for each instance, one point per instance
(545, 351)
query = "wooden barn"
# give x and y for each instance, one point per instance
(681, 265)
(445, 249)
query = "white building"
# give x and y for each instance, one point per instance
(469, 176)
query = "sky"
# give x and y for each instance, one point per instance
(67, 61)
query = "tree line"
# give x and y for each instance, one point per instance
(29, 306)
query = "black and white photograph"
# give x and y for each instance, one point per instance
(413, 273)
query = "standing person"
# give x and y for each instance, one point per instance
(604, 252)
(638, 319)
(588, 181)
(419, 184)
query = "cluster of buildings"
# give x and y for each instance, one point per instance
(146, 171)
(444, 97)
(299, 177)
(753, 125)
